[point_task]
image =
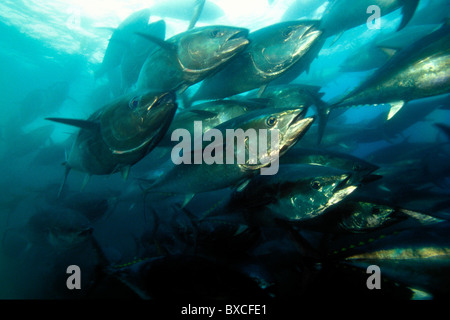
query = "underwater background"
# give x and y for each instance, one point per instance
(373, 192)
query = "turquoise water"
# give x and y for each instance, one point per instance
(49, 55)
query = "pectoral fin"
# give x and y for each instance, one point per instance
(336, 38)
(182, 89)
(83, 124)
(312, 89)
(66, 173)
(204, 114)
(87, 177)
(125, 171)
(188, 197)
(395, 107)
(323, 112)
(259, 102)
(242, 185)
(160, 42)
(261, 90)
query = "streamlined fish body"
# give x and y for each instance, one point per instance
(190, 56)
(121, 133)
(272, 52)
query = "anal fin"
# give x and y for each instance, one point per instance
(168, 46)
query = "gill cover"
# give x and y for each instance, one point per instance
(124, 127)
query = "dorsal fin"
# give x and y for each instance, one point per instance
(408, 9)
(242, 185)
(312, 88)
(204, 113)
(83, 124)
(160, 42)
(258, 102)
(198, 9)
(158, 25)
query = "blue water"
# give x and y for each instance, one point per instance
(63, 42)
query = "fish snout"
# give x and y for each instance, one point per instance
(237, 40)
(238, 34)
(168, 98)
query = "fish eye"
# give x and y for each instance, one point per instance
(287, 33)
(376, 210)
(215, 33)
(271, 121)
(133, 103)
(315, 184)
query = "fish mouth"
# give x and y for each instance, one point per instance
(162, 100)
(167, 97)
(306, 40)
(299, 116)
(342, 190)
(299, 124)
(236, 40)
(346, 186)
(240, 33)
(344, 181)
(297, 129)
